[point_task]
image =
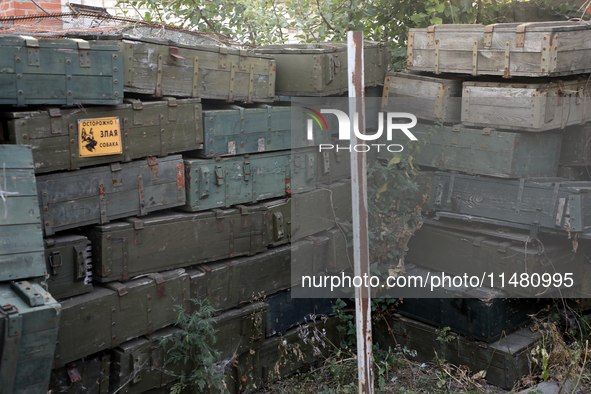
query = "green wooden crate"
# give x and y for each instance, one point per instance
(69, 265)
(29, 324)
(505, 361)
(21, 239)
(281, 355)
(227, 181)
(118, 312)
(160, 67)
(59, 72)
(312, 210)
(237, 130)
(457, 250)
(84, 376)
(575, 146)
(140, 364)
(550, 204)
(230, 283)
(61, 141)
(482, 314)
(166, 240)
(100, 194)
(320, 69)
(487, 152)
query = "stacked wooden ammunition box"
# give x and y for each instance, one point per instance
(503, 110)
(139, 174)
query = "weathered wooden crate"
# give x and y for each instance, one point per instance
(320, 69)
(482, 314)
(84, 376)
(226, 181)
(505, 361)
(118, 312)
(59, 72)
(29, 322)
(426, 97)
(457, 250)
(166, 240)
(534, 203)
(100, 194)
(507, 49)
(67, 139)
(489, 152)
(228, 284)
(281, 355)
(160, 67)
(238, 130)
(312, 211)
(21, 238)
(525, 106)
(142, 363)
(575, 146)
(69, 265)
(285, 312)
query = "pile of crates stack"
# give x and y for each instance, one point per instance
(503, 109)
(140, 174)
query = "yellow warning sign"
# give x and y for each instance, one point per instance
(99, 137)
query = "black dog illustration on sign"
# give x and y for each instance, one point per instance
(88, 138)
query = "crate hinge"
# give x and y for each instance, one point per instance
(223, 57)
(117, 174)
(32, 44)
(83, 52)
(431, 35)
(520, 35)
(242, 59)
(160, 283)
(55, 120)
(488, 34)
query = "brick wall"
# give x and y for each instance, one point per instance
(27, 7)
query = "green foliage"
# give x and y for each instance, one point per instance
(191, 347)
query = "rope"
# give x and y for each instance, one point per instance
(4, 193)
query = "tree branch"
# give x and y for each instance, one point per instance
(323, 18)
